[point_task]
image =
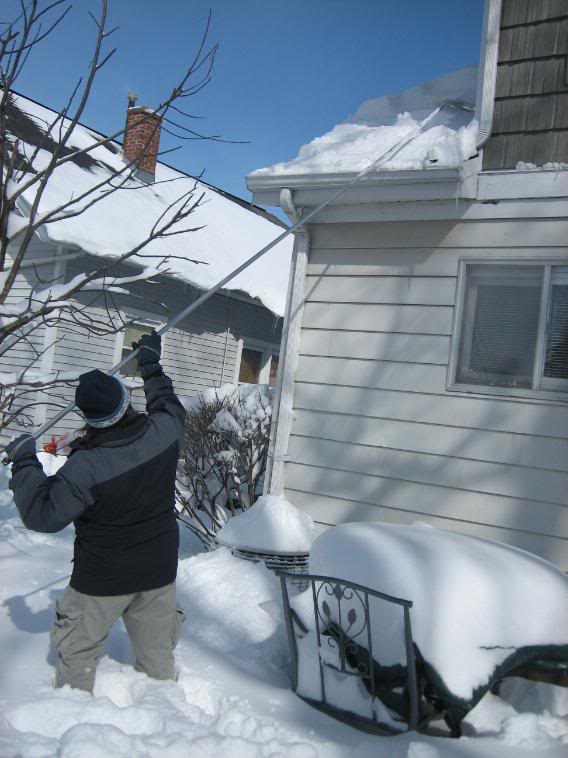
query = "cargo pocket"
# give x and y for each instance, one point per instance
(66, 622)
(179, 618)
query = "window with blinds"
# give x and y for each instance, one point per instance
(556, 355)
(132, 333)
(514, 327)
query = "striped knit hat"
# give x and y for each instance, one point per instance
(102, 399)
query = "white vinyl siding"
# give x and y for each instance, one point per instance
(28, 352)
(376, 433)
(28, 278)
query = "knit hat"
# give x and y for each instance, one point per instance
(101, 398)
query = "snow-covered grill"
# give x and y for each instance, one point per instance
(291, 563)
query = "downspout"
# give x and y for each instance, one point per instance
(282, 415)
(487, 78)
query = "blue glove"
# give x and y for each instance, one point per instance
(21, 448)
(149, 347)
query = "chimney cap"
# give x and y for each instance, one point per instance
(132, 98)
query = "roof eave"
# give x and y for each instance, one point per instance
(382, 186)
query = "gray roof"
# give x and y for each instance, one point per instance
(530, 121)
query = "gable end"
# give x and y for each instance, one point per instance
(530, 122)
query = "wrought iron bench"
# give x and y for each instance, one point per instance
(339, 637)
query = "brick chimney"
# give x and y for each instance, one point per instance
(142, 138)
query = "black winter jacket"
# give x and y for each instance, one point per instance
(119, 491)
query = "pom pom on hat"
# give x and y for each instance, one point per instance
(102, 399)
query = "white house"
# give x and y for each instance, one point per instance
(234, 337)
(425, 369)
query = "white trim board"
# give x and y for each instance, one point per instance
(532, 183)
(458, 209)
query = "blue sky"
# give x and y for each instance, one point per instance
(286, 71)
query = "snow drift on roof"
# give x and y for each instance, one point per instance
(381, 122)
(229, 233)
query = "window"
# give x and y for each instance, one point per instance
(513, 332)
(132, 333)
(259, 365)
(251, 363)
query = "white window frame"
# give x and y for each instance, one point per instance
(544, 388)
(152, 321)
(266, 348)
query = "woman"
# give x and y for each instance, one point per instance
(117, 487)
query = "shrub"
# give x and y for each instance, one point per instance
(223, 459)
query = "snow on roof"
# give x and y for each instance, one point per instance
(381, 122)
(230, 231)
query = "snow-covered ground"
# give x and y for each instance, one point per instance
(232, 697)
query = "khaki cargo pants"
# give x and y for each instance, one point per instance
(83, 622)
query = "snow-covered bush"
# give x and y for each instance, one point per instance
(224, 456)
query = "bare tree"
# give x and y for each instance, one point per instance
(223, 458)
(25, 181)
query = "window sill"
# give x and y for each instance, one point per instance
(509, 393)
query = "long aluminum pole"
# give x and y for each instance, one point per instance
(290, 230)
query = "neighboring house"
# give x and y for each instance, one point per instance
(234, 337)
(425, 361)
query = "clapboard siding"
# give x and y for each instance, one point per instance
(416, 348)
(455, 442)
(411, 261)
(455, 473)
(197, 363)
(381, 289)
(425, 498)
(494, 234)
(78, 351)
(27, 279)
(374, 424)
(446, 410)
(326, 505)
(383, 318)
(27, 353)
(388, 375)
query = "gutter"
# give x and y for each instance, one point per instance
(485, 98)
(385, 186)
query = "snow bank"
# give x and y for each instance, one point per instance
(475, 601)
(531, 717)
(381, 122)
(272, 524)
(224, 233)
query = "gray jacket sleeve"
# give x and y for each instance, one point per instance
(50, 503)
(161, 400)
